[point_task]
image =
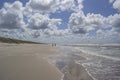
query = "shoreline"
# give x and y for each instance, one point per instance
(71, 69)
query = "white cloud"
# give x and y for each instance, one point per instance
(108, 36)
(96, 20)
(76, 22)
(43, 5)
(56, 32)
(39, 21)
(42, 25)
(36, 34)
(82, 24)
(75, 5)
(114, 21)
(79, 6)
(67, 4)
(116, 4)
(100, 32)
(11, 16)
(27, 11)
(47, 6)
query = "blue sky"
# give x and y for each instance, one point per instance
(64, 18)
(102, 7)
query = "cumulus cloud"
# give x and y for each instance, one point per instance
(43, 5)
(81, 24)
(47, 6)
(79, 6)
(27, 11)
(49, 33)
(116, 4)
(108, 35)
(36, 34)
(11, 16)
(39, 21)
(76, 22)
(114, 21)
(67, 4)
(57, 32)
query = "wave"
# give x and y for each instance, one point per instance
(92, 53)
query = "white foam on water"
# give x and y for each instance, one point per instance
(86, 70)
(101, 63)
(99, 55)
(62, 77)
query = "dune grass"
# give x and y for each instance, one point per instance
(10, 40)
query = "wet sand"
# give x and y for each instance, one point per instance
(67, 63)
(27, 62)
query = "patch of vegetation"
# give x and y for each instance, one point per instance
(10, 40)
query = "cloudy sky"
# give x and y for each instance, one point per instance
(61, 21)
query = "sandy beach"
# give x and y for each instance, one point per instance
(27, 62)
(32, 62)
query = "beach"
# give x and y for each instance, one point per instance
(47, 62)
(27, 62)
(33, 62)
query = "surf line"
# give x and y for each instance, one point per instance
(104, 56)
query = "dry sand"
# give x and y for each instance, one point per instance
(27, 62)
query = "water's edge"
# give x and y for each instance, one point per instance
(69, 67)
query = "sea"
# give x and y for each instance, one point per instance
(100, 62)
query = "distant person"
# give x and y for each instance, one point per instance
(55, 44)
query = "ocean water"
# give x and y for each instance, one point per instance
(99, 62)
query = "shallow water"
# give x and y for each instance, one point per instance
(100, 62)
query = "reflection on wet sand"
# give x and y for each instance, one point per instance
(67, 65)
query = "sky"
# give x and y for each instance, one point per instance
(61, 21)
